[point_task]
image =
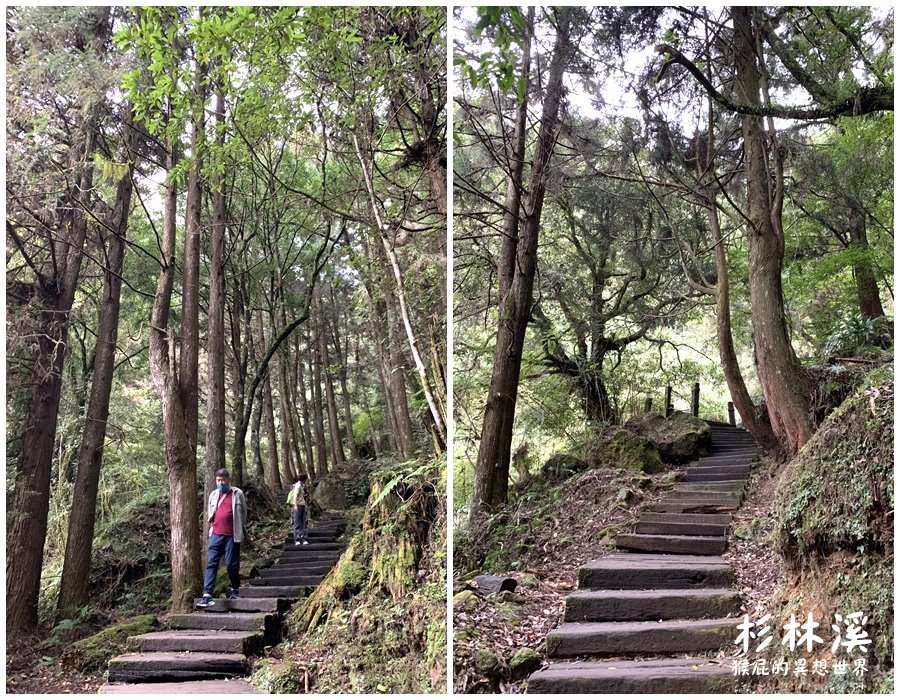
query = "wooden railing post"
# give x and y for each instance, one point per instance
(648, 405)
(731, 420)
(695, 400)
(667, 402)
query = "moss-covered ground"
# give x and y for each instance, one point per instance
(828, 532)
(377, 623)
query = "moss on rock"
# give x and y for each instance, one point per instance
(679, 438)
(523, 662)
(563, 465)
(91, 654)
(618, 448)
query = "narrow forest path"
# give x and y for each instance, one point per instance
(668, 597)
(207, 651)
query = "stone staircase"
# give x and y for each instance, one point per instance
(655, 608)
(207, 651)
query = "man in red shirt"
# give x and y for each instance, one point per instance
(226, 513)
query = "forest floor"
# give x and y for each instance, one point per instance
(32, 666)
(559, 530)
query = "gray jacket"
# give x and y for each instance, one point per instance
(238, 509)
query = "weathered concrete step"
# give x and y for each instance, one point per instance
(254, 591)
(314, 547)
(277, 581)
(656, 676)
(302, 569)
(667, 637)
(692, 507)
(703, 477)
(234, 621)
(720, 468)
(711, 497)
(703, 518)
(223, 642)
(159, 667)
(663, 604)
(248, 604)
(724, 486)
(300, 555)
(643, 527)
(637, 571)
(226, 686)
(728, 459)
(672, 544)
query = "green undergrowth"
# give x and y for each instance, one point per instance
(834, 531)
(377, 623)
(91, 654)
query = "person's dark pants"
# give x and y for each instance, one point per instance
(298, 523)
(219, 545)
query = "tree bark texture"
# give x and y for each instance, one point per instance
(215, 348)
(491, 482)
(335, 442)
(73, 587)
(318, 410)
(31, 496)
(866, 286)
(780, 373)
(181, 458)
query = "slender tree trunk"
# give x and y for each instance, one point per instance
(288, 470)
(31, 495)
(321, 456)
(343, 361)
(758, 427)
(780, 372)
(188, 370)
(273, 480)
(215, 351)
(396, 377)
(73, 588)
(866, 286)
(181, 458)
(400, 291)
(335, 442)
(254, 439)
(304, 414)
(491, 481)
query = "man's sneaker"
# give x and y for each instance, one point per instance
(233, 594)
(296, 542)
(206, 601)
(305, 541)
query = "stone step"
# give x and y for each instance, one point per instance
(643, 527)
(692, 507)
(234, 621)
(711, 497)
(665, 604)
(160, 667)
(226, 686)
(700, 518)
(664, 676)
(727, 459)
(304, 568)
(254, 591)
(614, 638)
(280, 581)
(309, 555)
(223, 642)
(724, 486)
(672, 544)
(247, 604)
(652, 571)
(314, 547)
(699, 468)
(707, 476)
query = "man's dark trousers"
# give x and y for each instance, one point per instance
(219, 545)
(298, 521)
